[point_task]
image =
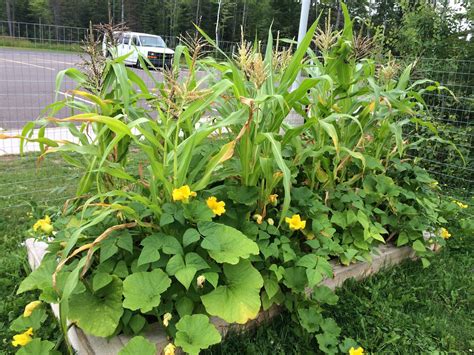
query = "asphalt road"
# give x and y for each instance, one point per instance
(27, 83)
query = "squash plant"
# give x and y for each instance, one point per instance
(229, 210)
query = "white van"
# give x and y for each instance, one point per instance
(150, 46)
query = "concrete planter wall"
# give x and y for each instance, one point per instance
(86, 344)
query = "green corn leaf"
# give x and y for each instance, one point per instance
(331, 131)
(404, 78)
(294, 67)
(276, 150)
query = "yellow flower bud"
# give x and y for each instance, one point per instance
(273, 199)
(169, 349)
(30, 307)
(200, 281)
(258, 218)
(166, 319)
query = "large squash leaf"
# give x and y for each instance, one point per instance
(138, 345)
(38, 347)
(196, 333)
(185, 269)
(98, 313)
(226, 244)
(42, 279)
(142, 290)
(239, 300)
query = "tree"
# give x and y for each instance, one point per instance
(10, 12)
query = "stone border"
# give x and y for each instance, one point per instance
(86, 344)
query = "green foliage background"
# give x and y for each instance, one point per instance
(422, 27)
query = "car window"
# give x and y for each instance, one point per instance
(135, 41)
(152, 41)
(126, 39)
(118, 37)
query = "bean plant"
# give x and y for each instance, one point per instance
(198, 199)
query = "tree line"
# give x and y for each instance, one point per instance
(420, 27)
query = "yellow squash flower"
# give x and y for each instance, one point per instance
(273, 199)
(358, 351)
(270, 221)
(23, 338)
(30, 307)
(44, 224)
(217, 207)
(183, 193)
(461, 205)
(169, 349)
(166, 319)
(444, 233)
(295, 222)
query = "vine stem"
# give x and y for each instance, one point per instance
(90, 249)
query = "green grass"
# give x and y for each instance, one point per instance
(23, 181)
(404, 310)
(24, 43)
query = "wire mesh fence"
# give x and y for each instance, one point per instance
(39, 35)
(452, 116)
(27, 86)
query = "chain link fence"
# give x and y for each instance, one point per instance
(27, 86)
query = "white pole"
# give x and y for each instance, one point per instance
(293, 118)
(303, 19)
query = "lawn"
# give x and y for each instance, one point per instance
(24, 43)
(403, 310)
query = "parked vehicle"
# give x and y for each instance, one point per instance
(149, 46)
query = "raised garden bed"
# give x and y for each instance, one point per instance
(83, 343)
(236, 215)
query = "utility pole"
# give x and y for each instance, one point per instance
(122, 17)
(219, 2)
(303, 20)
(293, 118)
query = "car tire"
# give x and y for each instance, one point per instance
(138, 65)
